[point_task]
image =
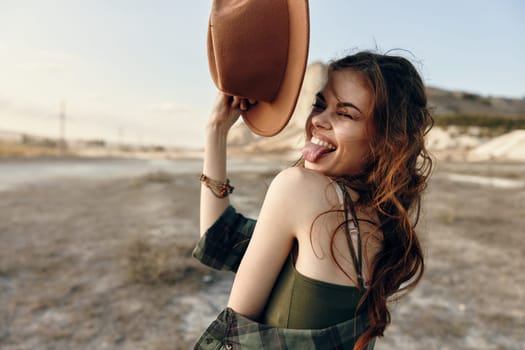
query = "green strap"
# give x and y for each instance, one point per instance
(357, 259)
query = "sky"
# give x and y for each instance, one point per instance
(136, 71)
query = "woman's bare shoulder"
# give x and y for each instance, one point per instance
(305, 188)
(297, 179)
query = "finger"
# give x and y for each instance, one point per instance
(252, 101)
(236, 101)
(243, 105)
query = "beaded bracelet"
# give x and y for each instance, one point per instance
(218, 188)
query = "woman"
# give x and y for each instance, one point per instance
(335, 237)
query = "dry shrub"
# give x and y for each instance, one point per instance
(164, 262)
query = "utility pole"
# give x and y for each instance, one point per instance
(62, 117)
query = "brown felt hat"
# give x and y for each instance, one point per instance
(258, 49)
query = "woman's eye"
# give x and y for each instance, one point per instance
(345, 114)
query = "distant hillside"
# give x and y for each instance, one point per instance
(449, 108)
(447, 102)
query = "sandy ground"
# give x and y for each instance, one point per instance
(105, 264)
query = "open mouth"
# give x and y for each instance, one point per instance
(316, 148)
(322, 143)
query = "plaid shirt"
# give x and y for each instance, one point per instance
(222, 247)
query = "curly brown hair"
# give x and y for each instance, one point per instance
(394, 178)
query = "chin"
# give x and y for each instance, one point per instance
(327, 170)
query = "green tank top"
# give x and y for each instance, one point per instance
(301, 302)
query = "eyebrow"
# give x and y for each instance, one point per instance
(320, 96)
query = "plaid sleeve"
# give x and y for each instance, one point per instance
(223, 245)
(232, 330)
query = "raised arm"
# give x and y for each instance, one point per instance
(225, 112)
(281, 215)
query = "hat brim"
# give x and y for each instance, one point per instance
(269, 118)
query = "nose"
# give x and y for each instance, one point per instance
(321, 120)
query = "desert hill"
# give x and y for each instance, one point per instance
(465, 103)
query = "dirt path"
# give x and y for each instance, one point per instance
(105, 264)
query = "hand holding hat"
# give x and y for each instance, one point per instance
(258, 50)
(226, 110)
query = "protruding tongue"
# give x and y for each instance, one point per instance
(312, 152)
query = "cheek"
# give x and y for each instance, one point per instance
(354, 144)
(357, 149)
(347, 135)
